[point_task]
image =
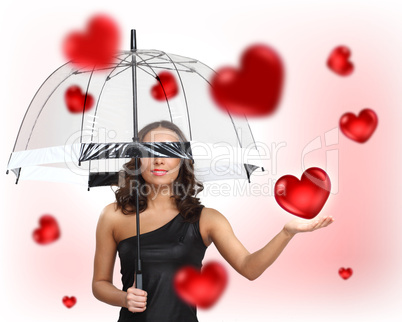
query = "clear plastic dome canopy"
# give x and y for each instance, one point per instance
(88, 145)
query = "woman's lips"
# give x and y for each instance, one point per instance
(159, 172)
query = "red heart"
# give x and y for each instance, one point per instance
(69, 302)
(304, 198)
(255, 89)
(201, 289)
(76, 100)
(345, 273)
(338, 61)
(95, 47)
(359, 128)
(48, 232)
(166, 87)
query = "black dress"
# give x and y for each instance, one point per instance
(163, 252)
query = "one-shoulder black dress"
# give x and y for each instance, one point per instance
(163, 252)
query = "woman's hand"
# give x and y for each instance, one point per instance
(136, 300)
(299, 225)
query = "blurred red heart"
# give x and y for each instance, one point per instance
(97, 46)
(304, 198)
(359, 128)
(75, 100)
(166, 87)
(253, 90)
(338, 61)
(48, 232)
(201, 289)
(345, 273)
(69, 302)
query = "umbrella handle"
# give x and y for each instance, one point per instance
(138, 280)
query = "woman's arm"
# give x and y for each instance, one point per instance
(251, 266)
(105, 256)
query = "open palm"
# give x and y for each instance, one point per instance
(299, 225)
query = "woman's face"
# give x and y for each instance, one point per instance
(160, 171)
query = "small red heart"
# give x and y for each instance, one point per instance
(69, 302)
(201, 289)
(166, 87)
(338, 61)
(48, 232)
(253, 90)
(76, 100)
(345, 273)
(359, 128)
(304, 198)
(97, 46)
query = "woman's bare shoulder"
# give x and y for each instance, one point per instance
(211, 216)
(110, 214)
(211, 222)
(210, 212)
(110, 210)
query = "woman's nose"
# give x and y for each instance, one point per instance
(159, 160)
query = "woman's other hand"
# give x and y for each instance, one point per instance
(299, 225)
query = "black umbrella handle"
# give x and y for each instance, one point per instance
(138, 280)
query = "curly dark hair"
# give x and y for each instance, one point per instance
(185, 187)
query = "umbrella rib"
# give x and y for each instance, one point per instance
(169, 61)
(153, 57)
(113, 66)
(123, 70)
(185, 97)
(145, 62)
(43, 106)
(145, 71)
(129, 64)
(180, 70)
(99, 69)
(156, 76)
(26, 112)
(138, 65)
(182, 62)
(85, 100)
(100, 94)
(252, 136)
(234, 125)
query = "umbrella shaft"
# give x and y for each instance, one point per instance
(138, 270)
(134, 82)
(135, 119)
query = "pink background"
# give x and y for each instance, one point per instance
(303, 284)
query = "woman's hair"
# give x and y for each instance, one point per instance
(185, 187)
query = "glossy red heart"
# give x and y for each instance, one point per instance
(201, 289)
(48, 231)
(166, 87)
(254, 89)
(305, 197)
(338, 61)
(96, 46)
(345, 273)
(69, 302)
(359, 128)
(75, 100)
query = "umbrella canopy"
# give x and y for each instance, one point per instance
(81, 125)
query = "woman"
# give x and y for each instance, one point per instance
(175, 231)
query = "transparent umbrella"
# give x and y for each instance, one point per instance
(82, 124)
